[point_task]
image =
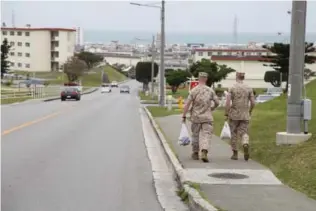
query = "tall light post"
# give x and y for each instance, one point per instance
(162, 49)
(297, 57)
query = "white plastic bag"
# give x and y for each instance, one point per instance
(184, 138)
(225, 134)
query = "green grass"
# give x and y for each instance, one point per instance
(92, 80)
(162, 111)
(294, 165)
(180, 93)
(14, 100)
(147, 98)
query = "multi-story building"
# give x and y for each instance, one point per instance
(39, 49)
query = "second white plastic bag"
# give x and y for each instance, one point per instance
(184, 138)
(226, 134)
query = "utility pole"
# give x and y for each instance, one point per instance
(297, 61)
(153, 52)
(162, 56)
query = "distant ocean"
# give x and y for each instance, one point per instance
(128, 37)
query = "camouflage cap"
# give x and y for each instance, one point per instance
(203, 74)
(240, 74)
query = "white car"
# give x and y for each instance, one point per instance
(274, 91)
(106, 88)
(264, 98)
(114, 84)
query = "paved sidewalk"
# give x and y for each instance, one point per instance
(257, 189)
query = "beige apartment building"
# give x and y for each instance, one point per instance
(39, 49)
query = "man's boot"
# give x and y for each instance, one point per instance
(195, 155)
(204, 157)
(246, 152)
(235, 155)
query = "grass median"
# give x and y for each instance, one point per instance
(294, 165)
(157, 111)
(91, 79)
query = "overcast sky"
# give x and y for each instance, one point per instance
(186, 16)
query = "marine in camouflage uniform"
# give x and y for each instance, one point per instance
(239, 105)
(203, 101)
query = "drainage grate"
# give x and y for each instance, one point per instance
(228, 176)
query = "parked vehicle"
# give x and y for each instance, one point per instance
(275, 91)
(264, 98)
(70, 93)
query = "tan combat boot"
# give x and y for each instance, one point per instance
(246, 152)
(204, 157)
(195, 156)
(235, 155)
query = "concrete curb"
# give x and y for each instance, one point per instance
(196, 202)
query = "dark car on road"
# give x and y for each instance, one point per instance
(124, 89)
(70, 93)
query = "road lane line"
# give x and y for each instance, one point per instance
(26, 124)
(30, 123)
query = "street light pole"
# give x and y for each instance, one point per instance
(162, 56)
(153, 52)
(297, 61)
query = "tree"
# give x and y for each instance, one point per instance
(5, 64)
(280, 60)
(91, 59)
(74, 68)
(176, 78)
(215, 72)
(274, 78)
(167, 71)
(143, 73)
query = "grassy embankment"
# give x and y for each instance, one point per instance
(293, 165)
(93, 79)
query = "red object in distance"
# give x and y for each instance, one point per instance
(193, 84)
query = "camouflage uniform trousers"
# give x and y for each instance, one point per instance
(239, 128)
(201, 135)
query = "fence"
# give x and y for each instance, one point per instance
(29, 93)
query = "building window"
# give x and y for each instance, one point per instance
(12, 33)
(209, 53)
(19, 33)
(19, 64)
(11, 53)
(19, 43)
(229, 53)
(27, 54)
(12, 64)
(27, 33)
(219, 53)
(68, 36)
(11, 43)
(4, 32)
(27, 44)
(19, 54)
(200, 54)
(27, 65)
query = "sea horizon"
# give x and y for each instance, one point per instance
(129, 37)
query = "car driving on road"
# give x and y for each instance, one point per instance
(114, 84)
(124, 89)
(69, 93)
(106, 88)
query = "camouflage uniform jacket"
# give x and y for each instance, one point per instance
(201, 97)
(240, 96)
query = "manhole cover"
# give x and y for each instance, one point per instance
(228, 176)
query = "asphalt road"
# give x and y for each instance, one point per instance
(76, 156)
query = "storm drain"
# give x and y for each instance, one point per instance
(228, 176)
